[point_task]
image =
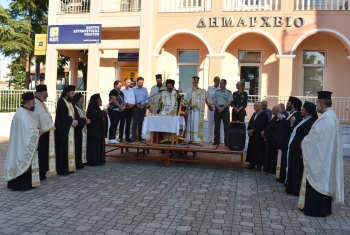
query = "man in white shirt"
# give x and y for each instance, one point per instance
(211, 108)
(126, 115)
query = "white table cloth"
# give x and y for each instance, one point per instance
(169, 124)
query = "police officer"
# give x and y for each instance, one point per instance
(239, 103)
(222, 101)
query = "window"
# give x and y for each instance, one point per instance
(250, 63)
(314, 64)
(188, 67)
(317, 2)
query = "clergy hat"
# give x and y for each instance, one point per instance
(297, 103)
(195, 79)
(76, 98)
(67, 88)
(324, 95)
(158, 76)
(170, 81)
(40, 88)
(27, 96)
(311, 108)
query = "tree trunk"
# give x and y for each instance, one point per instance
(28, 57)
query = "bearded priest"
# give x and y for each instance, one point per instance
(43, 120)
(22, 167)
(65, 124)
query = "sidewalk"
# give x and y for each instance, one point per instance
(129, 197)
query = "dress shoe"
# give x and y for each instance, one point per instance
(249, 167)
(129, 140)
(141, 139)
(215, 143)
(121, 141)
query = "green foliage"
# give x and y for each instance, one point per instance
(14, 37)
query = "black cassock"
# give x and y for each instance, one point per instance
(287, 129)
(316, 204)
(22, 182)
(255, 151)
(78, 138)
(270, 152)
(295, 162)
(96, 136)
(43, 154)
(63, 123)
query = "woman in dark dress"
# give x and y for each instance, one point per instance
(96, 132)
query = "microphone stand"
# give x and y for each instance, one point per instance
(159, 92)
(191, 123)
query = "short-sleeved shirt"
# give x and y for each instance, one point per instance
(240, 99)
(129, 95)
(210, 93)
(119, 98)
(222, 97)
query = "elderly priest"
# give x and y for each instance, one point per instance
(322, 153)
(21, 167)
(43, 120)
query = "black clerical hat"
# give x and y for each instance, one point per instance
(311, 108)
(170, 81)
(297, 103)
(76, 98)
(195, 79)
(158, 76)
(327, 95)
(40, 88)
(70, 88)
(27, 96)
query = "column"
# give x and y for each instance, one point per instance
(285, 75)
(93, 70)
(145, 48)
(215, 67)
(73, 70)
(51, 71)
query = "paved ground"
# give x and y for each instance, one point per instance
(129, 197)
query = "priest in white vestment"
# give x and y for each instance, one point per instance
(169, 99)
(195, 97)
(21, 167)
(43, 120)
(322, 153)
(154, 102)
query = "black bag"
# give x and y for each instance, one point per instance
(282, 137)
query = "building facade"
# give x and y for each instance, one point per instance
(275, 47)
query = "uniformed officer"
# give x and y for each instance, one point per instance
(211, 108)
(239, 103)
(222, 101)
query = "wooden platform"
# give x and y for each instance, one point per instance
(217, 154)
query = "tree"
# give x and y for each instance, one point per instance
(34, 14)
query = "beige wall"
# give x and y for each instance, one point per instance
(337, 71)
(157, 37)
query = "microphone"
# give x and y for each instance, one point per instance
(161, 90)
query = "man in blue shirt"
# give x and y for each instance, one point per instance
(264, 105)
(139, 109)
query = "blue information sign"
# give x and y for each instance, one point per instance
(128, 56)
(71, 34)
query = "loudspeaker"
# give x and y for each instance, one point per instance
(236, 136)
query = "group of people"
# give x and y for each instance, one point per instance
(303, 150)
(38, 145)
